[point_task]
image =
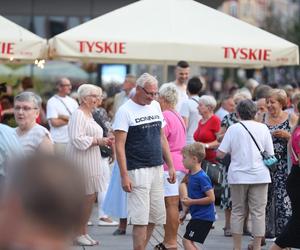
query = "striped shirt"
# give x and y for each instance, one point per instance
(82, 129)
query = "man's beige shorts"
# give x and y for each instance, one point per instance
(146, 201)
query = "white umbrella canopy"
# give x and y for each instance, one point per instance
(20, 45)
(165, 31)
(52, 70)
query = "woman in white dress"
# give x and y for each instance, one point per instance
(33, 137)
(85, 137)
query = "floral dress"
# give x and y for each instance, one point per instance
(278, 210)
(225, 203)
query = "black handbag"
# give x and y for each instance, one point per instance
(106, 151)
(214, 171)
(270, 161)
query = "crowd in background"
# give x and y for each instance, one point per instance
(95, 132)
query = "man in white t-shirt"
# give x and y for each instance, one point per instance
(124, 95)
(141, 148)
(189, 108)
(227, 107)
(59, 109)
(182, 73)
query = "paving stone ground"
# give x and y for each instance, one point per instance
(214, 241)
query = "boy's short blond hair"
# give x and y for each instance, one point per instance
(195, 149)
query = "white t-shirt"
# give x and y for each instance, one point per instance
(221, 113)
(182, 95)
(143, 125)
(55, 107)
(189, 109)
(246, 166)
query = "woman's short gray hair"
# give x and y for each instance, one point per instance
(169, 93)
(208, 101)
(28, 96)
(246, 109)
(146, 78)
(87, 89)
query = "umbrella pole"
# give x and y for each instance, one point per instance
(165, 72)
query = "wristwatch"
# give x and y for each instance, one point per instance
(206, 146)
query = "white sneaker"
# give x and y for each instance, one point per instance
(108, 222)
(94, 242)
(90, 223)
(83, 241)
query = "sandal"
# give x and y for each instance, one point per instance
(160, 246)
(119, 232)
(227, 232)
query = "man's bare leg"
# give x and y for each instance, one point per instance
(139, 236)
(150, 229)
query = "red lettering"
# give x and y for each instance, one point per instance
(226, 52)
(266, 56)
(90, 46)
(247, 53)
(107, 48)
(122, 48)
(99, 47)
(244, 54)
(6, 48)
(81, 46)
(251, 54)
(235, 52)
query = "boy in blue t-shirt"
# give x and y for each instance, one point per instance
(197, 196)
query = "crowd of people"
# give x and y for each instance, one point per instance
(163, 144)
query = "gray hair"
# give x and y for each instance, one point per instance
(208, 101)
(241, 95)
(246, 109)
(87, 89)
(169, 93)
(29, 96)
(146, 78)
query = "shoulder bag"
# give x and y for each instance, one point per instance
(270, 161)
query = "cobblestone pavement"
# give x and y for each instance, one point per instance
(214, 241)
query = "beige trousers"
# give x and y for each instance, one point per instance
(253, 196)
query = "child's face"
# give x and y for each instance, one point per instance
(188, 161)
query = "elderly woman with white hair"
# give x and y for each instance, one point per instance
(208, 126)
(33, 137)
(175, 132)
(83, 148)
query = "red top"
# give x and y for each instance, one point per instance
(206, 133)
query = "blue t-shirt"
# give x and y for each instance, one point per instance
(198, 184)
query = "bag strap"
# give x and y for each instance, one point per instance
(252, 138)
(180, 119)
(293, 152)
(194, 100)
(63, 104)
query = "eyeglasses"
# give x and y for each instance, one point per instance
(25, 109)
(155, 94)
(65, 85)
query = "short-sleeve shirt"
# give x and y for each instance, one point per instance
(176, 136)
(189, 109)
(296, 145)
(206, 133)
(246, 166)
(198, 184)
(33, 138)
(56, 106)
(143, 124)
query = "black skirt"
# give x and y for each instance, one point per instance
(290, 236)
